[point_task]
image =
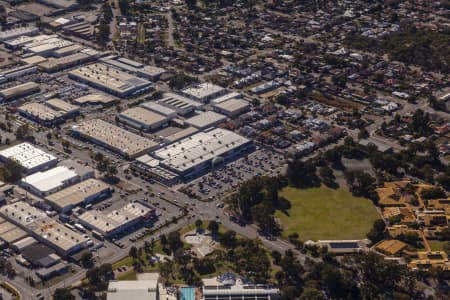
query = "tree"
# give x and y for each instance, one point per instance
(198, 224)
(302, 174)
(327, 175)
(228, 239)
(98, 277)
(124, 7)
(86, 259)
(362, 184)
(63, 294)
(22, 132)
(432, 193)
(213, 227)
(376, 234)
(262, 214)
(174, 241)
(444, 180)
(11, 171)
(311, 294)
(133, 252)
(191, 3)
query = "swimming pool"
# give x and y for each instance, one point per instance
(187, 293)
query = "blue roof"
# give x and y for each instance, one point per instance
(187, 293)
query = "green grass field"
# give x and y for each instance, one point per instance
(323, 213)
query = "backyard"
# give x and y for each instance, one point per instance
(321, 213)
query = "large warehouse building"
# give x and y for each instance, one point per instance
(111, 80)
(112, 137)
(81, 193)
(34, 221)
(205, 119)
(117, 221)
(19, 91)
(141, 118)
(50, 181)
(204, 92)
(32, 159)
(180, 104)
(199, 152)
(133, 67)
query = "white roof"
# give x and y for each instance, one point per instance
(232, 105)
(109, 222)
(203, 90)
(27, 155)
(132, 290)
(50, 179)
(205, 119)
(199, 148)
(115, 137)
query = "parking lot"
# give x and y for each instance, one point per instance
(221, 181)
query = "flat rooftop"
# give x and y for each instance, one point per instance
(22, 213)
(199, 148)
(19, 89)
(205, 119)
(94, 99)
(132, 289)
(41, 111)
(57, 234)
(175, 101)
(51, 179)
(62, 105)
(27, 155)
(116, 218)
(203, 90)
(77, 193)
(232, 105)
(110, 78)
(114, 137)
(143, 116)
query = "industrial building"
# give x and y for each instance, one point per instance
(204, 92)
(159, 109)
(205, 119)
(113, 137)
(184, 133)
(148, 165)
(10, 233)
(50, 181)
(46, 230)
(64, 5)
(133, 67)
(229, 287)
(19, 91)
(46, 47)
(55, 111)
(141, 118)
(232, 107)
(60, 63)
(111, 80)
(95, 99)
(201, 151)
(23, 40)
(31, 159)
(69, 50)
(117, 221)
(82, 29)
(140, 289)
(63, 106)
(81, 193)
(180, 104)
(17, 72)
(16, 32)
(228, 96)
(41, 114)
